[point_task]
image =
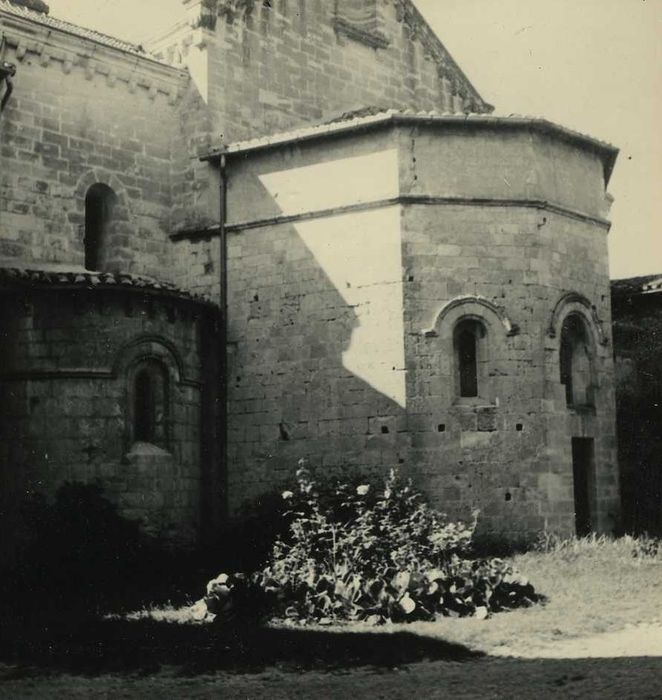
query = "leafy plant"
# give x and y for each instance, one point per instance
(78, 550)
(378, 554)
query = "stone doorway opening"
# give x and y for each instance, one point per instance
(583, 473)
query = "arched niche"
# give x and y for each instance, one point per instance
(472, 333)
(151, 370)
(102, 205)
(577, 353)
(574, 302)
(577, 361)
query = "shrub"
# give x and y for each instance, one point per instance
(79, 551)
(242, 544)
(380, 554)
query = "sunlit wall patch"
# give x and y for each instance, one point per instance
(359, 251)
(336, 183)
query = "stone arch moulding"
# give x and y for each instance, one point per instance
(575, 302)
(102, 177)
(147, 347)
(471, 303)
(119, 221)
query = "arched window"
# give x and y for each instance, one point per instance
(100, 202)
(469, 348)
(150, 409)
(576, 362)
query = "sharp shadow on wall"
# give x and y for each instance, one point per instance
(316, 344)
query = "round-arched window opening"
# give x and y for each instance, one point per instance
(150, 404)
(576, 362)
(100, 202)
(469, 350)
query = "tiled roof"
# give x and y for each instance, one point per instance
(632, 286)
(72, 277)
(360, 119)
(62, 25)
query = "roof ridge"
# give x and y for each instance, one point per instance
(93, 278)
(641, 285)
(53, 22)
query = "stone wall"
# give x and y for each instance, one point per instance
(481, 240)
(638, 355)
(261, 68)
(315, 315)
(277, 65)
(345, 289)
(67, 362)
(83, 113)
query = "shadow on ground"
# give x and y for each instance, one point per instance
(93, 646)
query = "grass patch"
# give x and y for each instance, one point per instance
(593, 585)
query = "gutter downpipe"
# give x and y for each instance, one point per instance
(223, 338)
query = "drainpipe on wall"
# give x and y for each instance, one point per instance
(223, 340)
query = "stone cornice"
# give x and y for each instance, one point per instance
(24, 38)
(209, 232)
(395, 118)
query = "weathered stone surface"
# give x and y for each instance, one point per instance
(299, 291)
(340, 326)
(65, 382)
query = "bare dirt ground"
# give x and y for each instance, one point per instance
(636, 641)
(623, 664)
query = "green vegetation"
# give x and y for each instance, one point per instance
(592, 585)
(380, 554)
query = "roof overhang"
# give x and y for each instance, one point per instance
(606, 152)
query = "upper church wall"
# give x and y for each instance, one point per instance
(83, 112)
(268, 66)
(263, 67)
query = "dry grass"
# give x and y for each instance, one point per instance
(592, 585)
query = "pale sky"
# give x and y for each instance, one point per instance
(592, 65)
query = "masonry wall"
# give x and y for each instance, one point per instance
(315, 340)
(262, 68)
(345, 290)
(509, 451)
(82, 114)
(65, 382)
(282, 64)
(638, 356)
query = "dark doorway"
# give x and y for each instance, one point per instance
(583, 471)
